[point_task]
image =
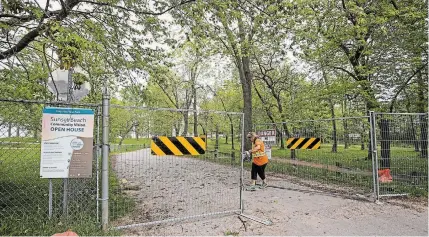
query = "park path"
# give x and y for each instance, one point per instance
(293, 211)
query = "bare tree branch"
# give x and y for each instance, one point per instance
(392, 103)
(348, 72)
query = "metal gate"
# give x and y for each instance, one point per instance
(328, 155)
(147, 188)
(401, 154)
(28, 203)
(380, 155)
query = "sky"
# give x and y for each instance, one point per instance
(218, 68)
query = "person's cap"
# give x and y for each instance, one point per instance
(251, 134)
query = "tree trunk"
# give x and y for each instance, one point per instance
(194, 94)
(123, 136)
(362, 137)
(246, 82)
(232, 135)
(136, 131)
(371, 104)
(282, 140)
(334, 136)
(286, 131)
(385, 144)
(204, 130)
(413, 128)
(346, 134)
(17, 131)
(226, 138)
(414, 136)
(424, 136)
(334, 123)
(217, 137)
(9, 130)
(345, 125)
(186, 121)
(423, 118)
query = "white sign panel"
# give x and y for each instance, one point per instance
(268, 136)
(59, 83)
(67, 143)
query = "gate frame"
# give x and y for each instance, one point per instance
(373, 117)
(105, 154)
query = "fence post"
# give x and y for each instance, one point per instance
(373, 137)
(66, 180)
(105, 163)
(242, 165)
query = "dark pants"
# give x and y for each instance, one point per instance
(258, 170)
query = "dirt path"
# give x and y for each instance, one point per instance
(294, 211)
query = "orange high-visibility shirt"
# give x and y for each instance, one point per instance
(259, 157)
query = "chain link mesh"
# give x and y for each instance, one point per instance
(24, 196)
(402, 156)
(148, 189)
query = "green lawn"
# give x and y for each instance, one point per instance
(132, 141)
(24, 199)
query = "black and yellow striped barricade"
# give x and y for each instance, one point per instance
(178, 146)
(311, 143)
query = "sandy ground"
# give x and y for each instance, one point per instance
(172, 187)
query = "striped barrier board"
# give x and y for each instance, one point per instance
(178, 146)
(311, 143)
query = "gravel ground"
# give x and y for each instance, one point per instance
(174, 187)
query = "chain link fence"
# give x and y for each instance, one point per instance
(346, 163)
(384, 154)
(25, 207)
(339, 163)
(402, 154)
(147, 188)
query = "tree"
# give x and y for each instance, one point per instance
(102, 37)
(235, 26)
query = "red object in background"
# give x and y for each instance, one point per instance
(384, 176)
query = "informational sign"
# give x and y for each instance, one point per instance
(268, 136)
(67, 143)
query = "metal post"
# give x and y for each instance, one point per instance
(374, 154)
(65, 180)
(105, 164)
(97, 155)
(242, 165)
(50, 199)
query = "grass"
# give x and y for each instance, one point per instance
(347, 167)
(129, 144)
(132, 141)
(119, 203)
(24, 199)
(19, 139)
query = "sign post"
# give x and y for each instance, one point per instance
(67, 145)
(63, 87)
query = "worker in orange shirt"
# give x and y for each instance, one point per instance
(260, 161)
